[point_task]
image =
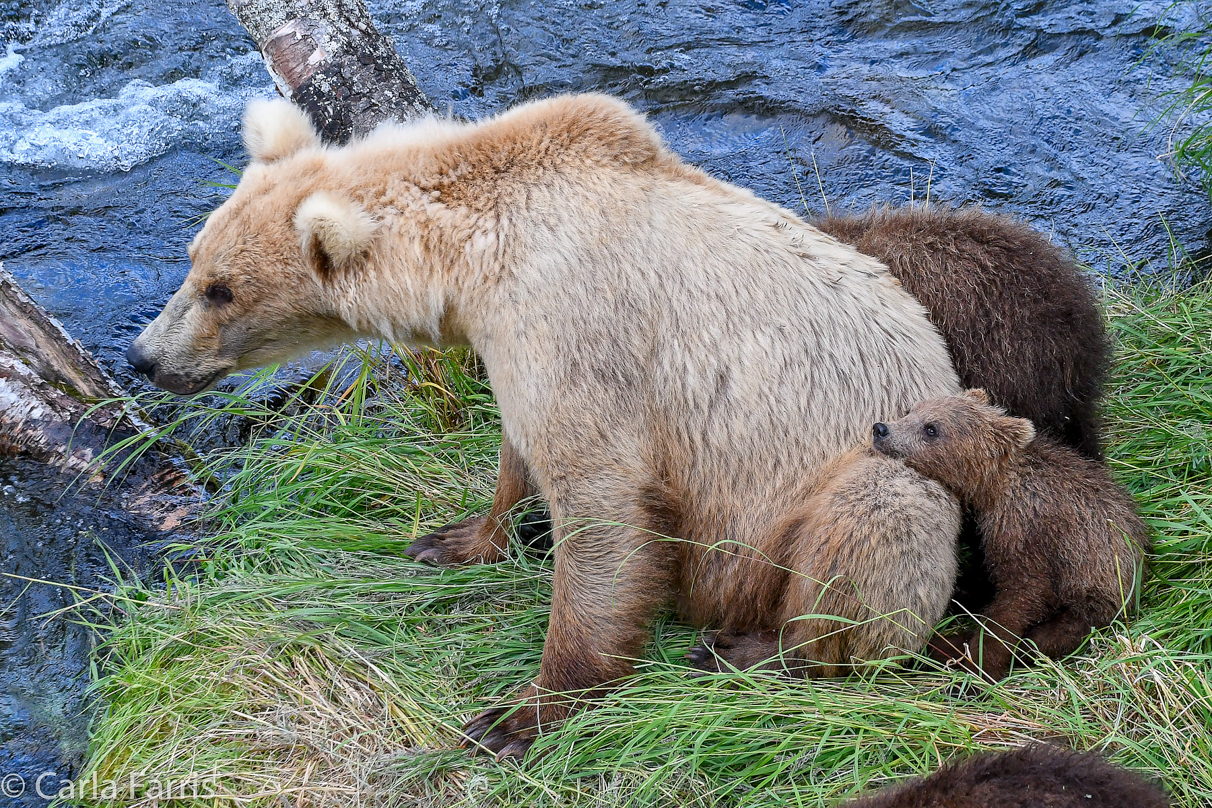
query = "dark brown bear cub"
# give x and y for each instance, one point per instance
(1063, 542)
(1021, 320)
(1032, 777)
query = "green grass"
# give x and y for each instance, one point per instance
(297, 658)
(1189, 111)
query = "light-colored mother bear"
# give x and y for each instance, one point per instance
(672, 356)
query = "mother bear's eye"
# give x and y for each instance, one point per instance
(218, 293)
(931, 431)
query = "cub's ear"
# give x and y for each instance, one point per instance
(334, 232)
(276, 128)
(1019, 431)
(978, 395)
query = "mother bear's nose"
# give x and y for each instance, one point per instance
(140, 361)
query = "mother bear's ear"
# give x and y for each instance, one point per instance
(334, 232)
(276, 128)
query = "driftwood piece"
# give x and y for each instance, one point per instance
(328, 58)
(53, 410)
(30, 335)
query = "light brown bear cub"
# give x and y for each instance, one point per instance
(870, 515)
(1063, 542)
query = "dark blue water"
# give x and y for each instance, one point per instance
(113, 114)
(71, 540)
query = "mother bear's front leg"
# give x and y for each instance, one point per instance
(613, 571)
(480, 539)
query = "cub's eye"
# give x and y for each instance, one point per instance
(931, 431)
(218, 293)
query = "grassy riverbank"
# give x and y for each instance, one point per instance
(299, 653)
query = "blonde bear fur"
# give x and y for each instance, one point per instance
(841, 607)
(672, 356)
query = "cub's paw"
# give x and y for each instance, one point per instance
(985, 656)
(947, 648)
(478, 540)
(509, 730)
(720, 651)
(703, 657)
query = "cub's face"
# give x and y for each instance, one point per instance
(256, 292)
(958, 440)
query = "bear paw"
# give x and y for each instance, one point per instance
(720, 651)
(984, 657)
(508, 731)
(478, 540)
(534, 530)
(947, 647)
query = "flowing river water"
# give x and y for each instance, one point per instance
(116, 117)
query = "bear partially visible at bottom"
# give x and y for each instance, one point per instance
(1037, 776)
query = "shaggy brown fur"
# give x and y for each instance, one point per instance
(872, 555)
(1031, 777)
(1063, 542)
(1020, 320)
(1019, 317)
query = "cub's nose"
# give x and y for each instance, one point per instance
(140, 361)
(880, 431)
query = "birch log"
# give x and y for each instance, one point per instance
(52, 411)
(329, 59)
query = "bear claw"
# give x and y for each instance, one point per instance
(501, 731)
(471, 541)
(426, 549)
(703, 656)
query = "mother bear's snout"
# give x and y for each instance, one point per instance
(138, 359)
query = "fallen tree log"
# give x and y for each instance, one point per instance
(80, 508)
(57, 408)
(63, 431)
